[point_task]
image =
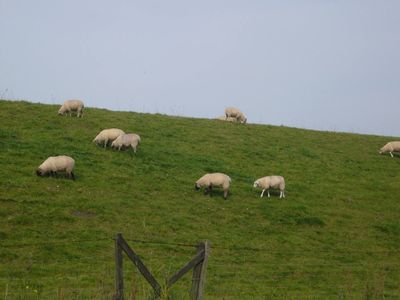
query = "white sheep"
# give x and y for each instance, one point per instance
(72, 105)
(268, 182)
(126, 140)
(107, 136)
(55, 164)
(228, 119)
(214, 180)
(235, 113)
(231, 119)
(390, 147)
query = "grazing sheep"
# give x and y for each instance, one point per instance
(107, 135)
(55, 164)
(390, 147)
(228, 119)
(268, 182)
(231, 119)
(214, 180)
(235, 113)
(72, 105)
(126, 140)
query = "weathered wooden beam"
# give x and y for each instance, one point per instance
(140, 265)
(199, 273)
(119, 277)
(196, 260)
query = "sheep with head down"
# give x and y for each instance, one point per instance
(54, 164)
(214, 180)
(232, 112)
(227, 119)
(268, 182)
(107, 136)
(70, 106)
(126, 140)
(390, 147)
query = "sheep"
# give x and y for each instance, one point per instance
(214, 180)
(70, 106)
(268, 182)
(55, 164)
(235, 113)
(126, 140)
(228, 119)
(107, 135)
(390, 147)
(231, 119)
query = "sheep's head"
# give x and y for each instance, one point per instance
(61, 111)
(39, 172)
(256, 183)
(196, 186)
(383, 150)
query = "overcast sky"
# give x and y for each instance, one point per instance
(328, 65)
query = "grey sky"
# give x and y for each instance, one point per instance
(329, 65)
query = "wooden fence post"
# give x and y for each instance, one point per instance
(141, 267)
(198, 263)
(199, 272)
(119, 277)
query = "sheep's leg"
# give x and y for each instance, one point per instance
(105, 143)
(391, 154)
(262, 193)
(72, 176)
(283, 194)
(268, 193)
(225, 194)
(210, 189)
(134, 149)
(280, 195)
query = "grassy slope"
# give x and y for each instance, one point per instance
(336, 234)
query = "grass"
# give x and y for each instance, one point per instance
(336, 235)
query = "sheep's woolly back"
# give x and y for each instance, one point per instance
(57, 164)
(71, 105)
(235, 113)
(108, 135)
(215, 179)
(273, 181)
(391, 147)
(126, 140)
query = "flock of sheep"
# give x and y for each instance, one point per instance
(119, 139)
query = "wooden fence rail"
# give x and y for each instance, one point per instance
(198, 264)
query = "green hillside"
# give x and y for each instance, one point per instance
(336, 234)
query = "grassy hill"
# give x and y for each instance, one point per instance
(335, 235)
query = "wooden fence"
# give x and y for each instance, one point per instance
(198, 263)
